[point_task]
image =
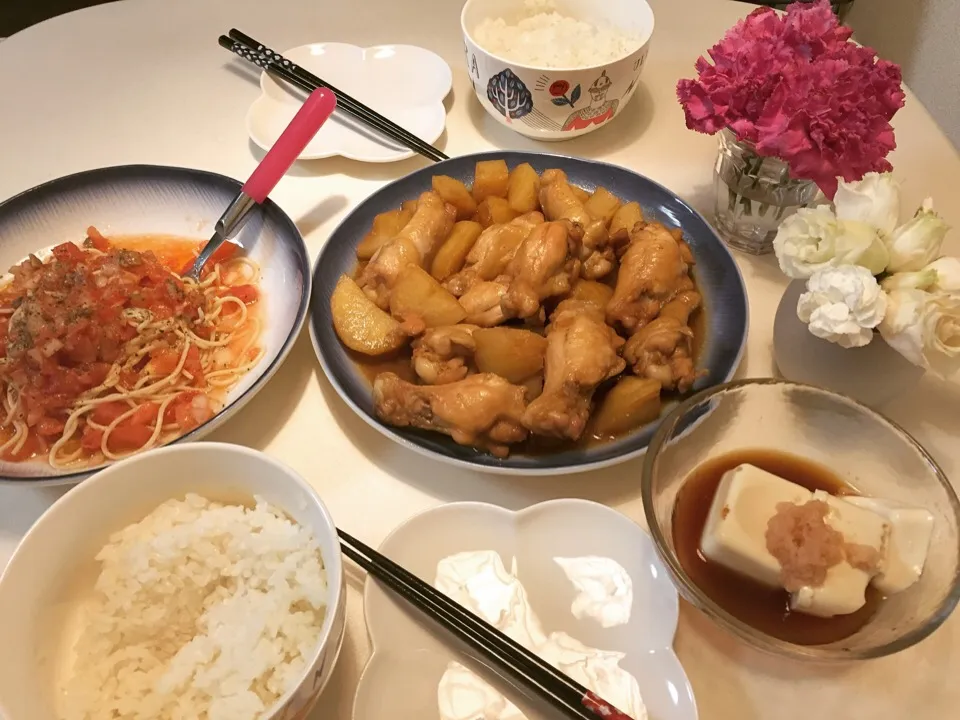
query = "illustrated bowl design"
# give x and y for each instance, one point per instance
(556, 104)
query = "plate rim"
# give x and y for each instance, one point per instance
(502, 467)
(303, 261)
(516, 516)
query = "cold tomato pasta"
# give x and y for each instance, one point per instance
(107, 350)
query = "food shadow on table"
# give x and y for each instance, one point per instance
(322, 212)
(741, 656)
(610, 486)
(623, 130)
(336, 165)
(932, 404)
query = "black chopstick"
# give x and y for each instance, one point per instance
(564, 694)
(277, 65)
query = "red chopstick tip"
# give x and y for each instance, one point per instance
(601, 708)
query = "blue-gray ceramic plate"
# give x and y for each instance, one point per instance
(155, 200)
(717, 275)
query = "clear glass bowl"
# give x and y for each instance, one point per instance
(866, 450)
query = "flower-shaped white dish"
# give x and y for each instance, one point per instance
(411, 654)
(405, 83)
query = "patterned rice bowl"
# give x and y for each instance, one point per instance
(557, 103)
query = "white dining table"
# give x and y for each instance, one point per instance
(144, 81)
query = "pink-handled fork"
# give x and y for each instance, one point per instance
(305, 124)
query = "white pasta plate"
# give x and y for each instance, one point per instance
(411, 655)
(147, 200)
(404, 83)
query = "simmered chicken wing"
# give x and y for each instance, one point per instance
(559, 202)
(545, 265)
(582, 352)
(482, 303)
(652, 271)
(440, 356)
(491, 254)
(430, 224)
(662, 350)
(464, 310)
(482, 410)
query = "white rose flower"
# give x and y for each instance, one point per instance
(925, 329)
(813, 239)
(875, 200)
(948, 275)
(843, 305)
(942, 275)
(917, 242)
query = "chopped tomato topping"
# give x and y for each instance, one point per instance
(146, 414)
(50, 427)
(222, 254)
(68, 252)
(192, 365)
(67, 323)
(128, 437)
(97, 239)
(91, 438)
(106, 413)
(164, 362)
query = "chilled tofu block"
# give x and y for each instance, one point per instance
(843, 592)
(907, 546)
(865, 535)
(735, 532)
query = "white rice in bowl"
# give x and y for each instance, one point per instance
(201, 610)
(545, 38)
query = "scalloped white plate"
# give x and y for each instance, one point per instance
(410, 654)
(404, 83)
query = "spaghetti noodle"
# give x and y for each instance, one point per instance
(107, 351)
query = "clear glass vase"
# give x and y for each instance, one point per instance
(754, 194)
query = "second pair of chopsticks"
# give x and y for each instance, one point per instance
(521, 665)
(277, 65)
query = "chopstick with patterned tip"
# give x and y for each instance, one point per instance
(518, 665)
(280, 67)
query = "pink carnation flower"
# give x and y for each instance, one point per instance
(799, 89)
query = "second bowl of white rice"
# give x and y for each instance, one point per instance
(555, 69)
(196, 581)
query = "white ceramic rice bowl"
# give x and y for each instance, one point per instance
(557, 103)
(55, 561)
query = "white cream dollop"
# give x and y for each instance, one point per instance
(604, 589)
(479, 581)
(843, 305)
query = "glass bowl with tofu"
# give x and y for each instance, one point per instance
(803, 522)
